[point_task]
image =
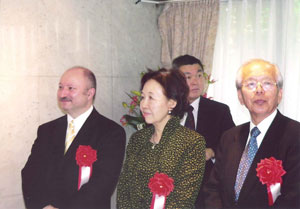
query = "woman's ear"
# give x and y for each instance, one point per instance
(172, 103)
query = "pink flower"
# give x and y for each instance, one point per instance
(123, 121)
(134, 101)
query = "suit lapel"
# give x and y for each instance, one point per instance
(266, 150)
(59, 137)
(202, 110)
(237, 151)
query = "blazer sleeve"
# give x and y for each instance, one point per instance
(123, 199)
(34, 173)
(213, 186)
(106, 171)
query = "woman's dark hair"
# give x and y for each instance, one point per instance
(174, 87)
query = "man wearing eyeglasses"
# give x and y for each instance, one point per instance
(269, 139)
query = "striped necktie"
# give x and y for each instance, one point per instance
(70, 135)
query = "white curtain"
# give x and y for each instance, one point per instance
(267, 29)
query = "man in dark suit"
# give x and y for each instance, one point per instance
(234, 182)
(52, 177)
(211, 118)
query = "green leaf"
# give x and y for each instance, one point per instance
(137, 93)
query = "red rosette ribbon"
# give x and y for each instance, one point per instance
(269, 172)
(85, 157)
(161, 185)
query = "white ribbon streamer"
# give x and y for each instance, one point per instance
(85, 175)
(275, 190)
(159, 202)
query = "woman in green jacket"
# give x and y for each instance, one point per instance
(164, 146)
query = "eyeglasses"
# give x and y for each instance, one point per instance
(266, 85)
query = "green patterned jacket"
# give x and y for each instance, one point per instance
(180, 154)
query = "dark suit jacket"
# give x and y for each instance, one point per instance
(282, 141)
(50, 177)
(214, 119)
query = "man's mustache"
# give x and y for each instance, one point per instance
(65, 99)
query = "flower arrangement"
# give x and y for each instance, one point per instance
(134, 117)
(209, 81)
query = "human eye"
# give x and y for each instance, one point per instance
(199, 75)
(60, 87)
(71, 88)
(267, 85)
(251, 85)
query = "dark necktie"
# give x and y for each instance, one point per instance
(190, 122)
(246, 162)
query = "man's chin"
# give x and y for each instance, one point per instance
(191, 99)
(63, 108)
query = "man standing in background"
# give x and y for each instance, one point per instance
(76, 159)
(207, 117)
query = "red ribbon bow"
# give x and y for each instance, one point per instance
(269, 172)
(160, 184)
(85, 157)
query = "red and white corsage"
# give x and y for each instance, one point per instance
(85, 157)
(269, 172)
(161, 185)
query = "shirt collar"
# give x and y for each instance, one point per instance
(263, 126)
(79, 121)
(195, 104)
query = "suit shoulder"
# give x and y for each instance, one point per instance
(140, 134)
(237, 129)
(53, 122)
(290, 127)
(188, 135)
(214, 104)
(106, 122)
(292, 122)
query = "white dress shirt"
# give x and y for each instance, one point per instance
(263, 127)
(79, 121)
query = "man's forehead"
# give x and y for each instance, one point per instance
(259, 70)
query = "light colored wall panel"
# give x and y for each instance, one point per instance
(39, 40)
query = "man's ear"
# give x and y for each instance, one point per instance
(240, 96)
(91, 92)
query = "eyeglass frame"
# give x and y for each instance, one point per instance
(262, 85)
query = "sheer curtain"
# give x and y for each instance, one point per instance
(268, 29)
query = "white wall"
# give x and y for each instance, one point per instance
(39, 40)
